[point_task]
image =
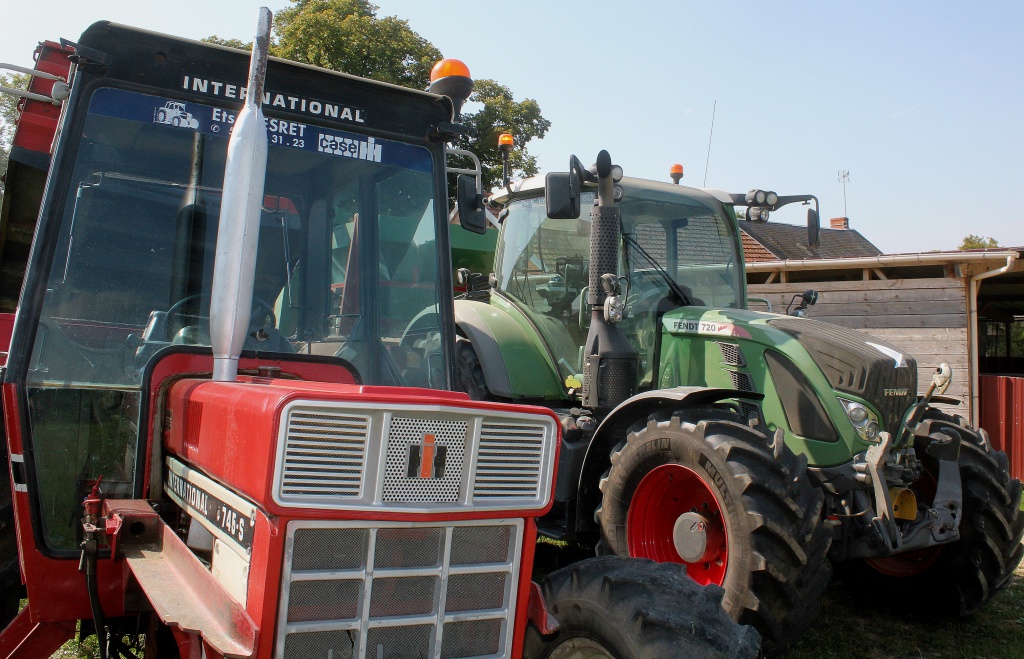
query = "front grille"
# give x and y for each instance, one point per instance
(509, 461)
(350, 456)
(324, 454)
(387, 601)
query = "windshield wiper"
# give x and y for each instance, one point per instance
(672, 283)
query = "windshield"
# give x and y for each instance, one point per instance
(346, 267)
(543, 264)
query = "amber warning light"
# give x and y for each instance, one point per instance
(676, 172)
(505, 144)
(450, 77)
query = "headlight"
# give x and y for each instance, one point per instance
(864, 420)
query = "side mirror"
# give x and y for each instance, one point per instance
(562, 195)
(807, 298)
(471, 205)
(813, 228)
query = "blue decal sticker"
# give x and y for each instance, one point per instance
(196, 117)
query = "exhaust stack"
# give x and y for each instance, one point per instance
(234, 267)
(611, 363)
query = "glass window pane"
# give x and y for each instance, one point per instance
(133, 269)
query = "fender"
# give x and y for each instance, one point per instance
(612, 430)
(514, 361)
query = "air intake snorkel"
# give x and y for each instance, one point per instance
(234, 267)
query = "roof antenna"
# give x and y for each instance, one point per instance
(844, 177)
(713, 109)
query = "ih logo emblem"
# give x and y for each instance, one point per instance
(427, 458)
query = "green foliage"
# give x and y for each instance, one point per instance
(502, 114)
(8, 117)
(972, 241)
(348, 36)
(230, 43)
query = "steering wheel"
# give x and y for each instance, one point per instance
(258, 305)
(644, 303)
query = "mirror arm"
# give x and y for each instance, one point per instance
(476, 172)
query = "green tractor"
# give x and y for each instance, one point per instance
(757, 449)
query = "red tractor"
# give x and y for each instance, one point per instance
(228, 424)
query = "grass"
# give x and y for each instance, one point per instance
(845, 630)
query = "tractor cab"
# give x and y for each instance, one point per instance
(676, 250)
(347, 253)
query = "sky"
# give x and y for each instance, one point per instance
(921, 102)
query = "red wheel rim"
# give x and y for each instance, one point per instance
(908, 564)
(663, 495)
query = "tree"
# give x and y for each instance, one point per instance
(347, 35)
(8, 117)
(972, 241)
(502, 114)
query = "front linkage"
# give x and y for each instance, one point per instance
(930, 519)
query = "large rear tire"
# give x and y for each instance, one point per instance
(700, 488)
(615, 608)
(959, 578)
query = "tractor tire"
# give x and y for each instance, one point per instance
(616, 608)
(698, 487)
(469, 373)
(955, 579)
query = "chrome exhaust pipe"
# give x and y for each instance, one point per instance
(234, 267)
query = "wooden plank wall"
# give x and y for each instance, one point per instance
(925, 317)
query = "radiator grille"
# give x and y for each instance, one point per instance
(324, 454)
(388, 603)
(353, 456)
(509, 460)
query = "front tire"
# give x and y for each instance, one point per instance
(698, 487)
(615, 608)
(959, 578)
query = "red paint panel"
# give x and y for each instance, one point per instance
(6, 329)
(38, 122)
(1002, 399)
(56, 589)
(177, 365)
(30, 640)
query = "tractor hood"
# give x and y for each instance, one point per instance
(854, 363)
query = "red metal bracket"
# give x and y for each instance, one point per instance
(538, 614)
(24, 639)
(181, 590)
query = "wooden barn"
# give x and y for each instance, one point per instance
(959, 307)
